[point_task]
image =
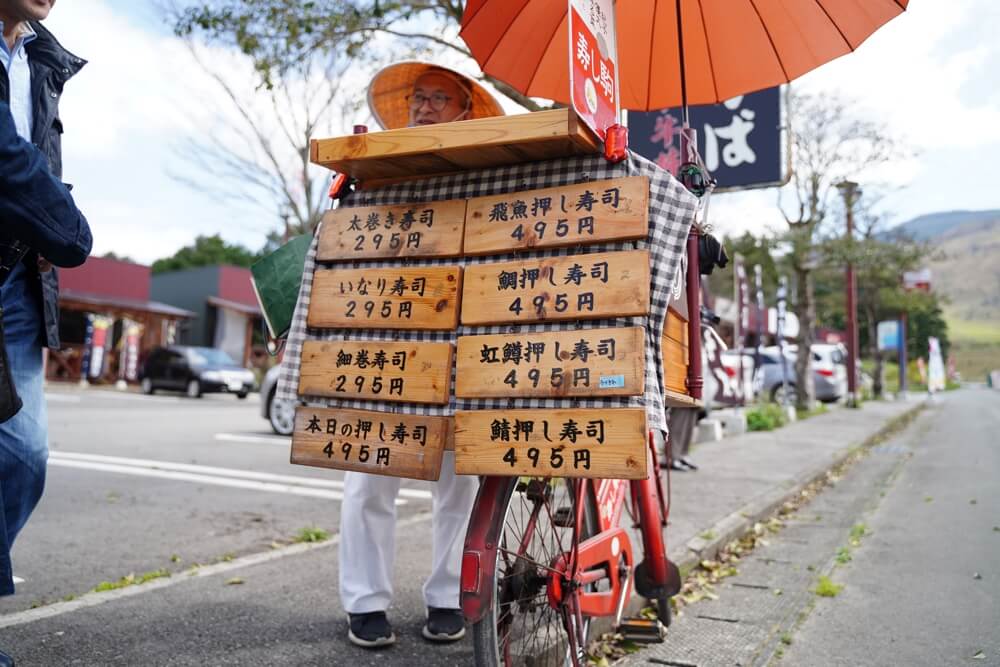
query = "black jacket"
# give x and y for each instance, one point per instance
(51, 66)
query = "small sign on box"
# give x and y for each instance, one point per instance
(593, 63)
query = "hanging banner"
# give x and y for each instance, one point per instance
(133, 333)
(593, 63)
(88, 339)
(99, 340)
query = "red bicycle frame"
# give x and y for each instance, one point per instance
(608, 554)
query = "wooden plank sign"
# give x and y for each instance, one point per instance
(575, 287)
(381, 443)
(594, 212)
(386, 298)
(377, 370)
(589, 362)
(432, 229)
(552, 443)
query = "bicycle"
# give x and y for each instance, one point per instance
(544, 557)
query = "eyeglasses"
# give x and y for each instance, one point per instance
(438, 101)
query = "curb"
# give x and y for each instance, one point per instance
(738, 523)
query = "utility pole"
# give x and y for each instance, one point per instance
(851, 192)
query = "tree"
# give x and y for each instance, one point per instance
(829, 144)
(258, 152)
(879, 260)
(278, 34)
(206, 251)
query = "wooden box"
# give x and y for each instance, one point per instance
(446, 148)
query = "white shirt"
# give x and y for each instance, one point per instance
(15, 63)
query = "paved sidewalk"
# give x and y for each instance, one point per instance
(744, 478)
(285, 611)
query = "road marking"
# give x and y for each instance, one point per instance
(93, 599)
(282, 441)
(280, 482)
(62, 398)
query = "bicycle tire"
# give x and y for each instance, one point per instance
(514, 574)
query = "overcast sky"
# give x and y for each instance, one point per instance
(932, 74)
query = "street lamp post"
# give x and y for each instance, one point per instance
(851, 192)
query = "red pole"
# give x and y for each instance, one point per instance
(694, 380)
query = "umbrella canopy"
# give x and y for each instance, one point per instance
(730, 47)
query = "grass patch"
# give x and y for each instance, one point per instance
(311, 534)
(766, 417)
(826, 588)
(818, 409)
(707, 534)
(131, 580)
(843, 555)
(786, 639)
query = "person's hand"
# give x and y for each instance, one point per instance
(44, 265)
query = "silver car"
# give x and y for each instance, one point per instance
(280, 414)
(828, 369)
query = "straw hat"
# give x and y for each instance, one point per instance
(388, 90)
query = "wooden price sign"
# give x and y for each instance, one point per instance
(575, 287)
(589, 362)
(552, 443)
(433, 229)
(386, 298)
(377, 370)
(595, 212)
(374, 442)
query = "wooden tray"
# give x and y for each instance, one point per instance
(447, 148)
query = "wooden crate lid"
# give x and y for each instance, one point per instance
(447, 148)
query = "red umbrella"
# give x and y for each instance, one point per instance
(674, 52)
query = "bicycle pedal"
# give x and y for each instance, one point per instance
(642, 630)
(563, 517)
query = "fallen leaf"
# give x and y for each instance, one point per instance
(979, 656)
(777, 591)
(927, 499)
(234, 581)
(972, 502)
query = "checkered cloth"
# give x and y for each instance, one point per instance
(671, 212)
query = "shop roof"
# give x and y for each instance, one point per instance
(122, 302)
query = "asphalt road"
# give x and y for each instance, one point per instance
(137, 484)
(924, 587)
(909, 537)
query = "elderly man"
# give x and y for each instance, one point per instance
(407, 95)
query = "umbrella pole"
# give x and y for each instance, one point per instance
(684, 96)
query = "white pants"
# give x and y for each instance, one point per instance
(368, 538)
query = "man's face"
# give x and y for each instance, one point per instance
(431, 91)
(27, 10)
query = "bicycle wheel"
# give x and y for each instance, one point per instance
(522, 627)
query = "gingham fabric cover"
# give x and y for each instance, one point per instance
(671, 213)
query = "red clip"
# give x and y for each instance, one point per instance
(616, 143)
(338, 184)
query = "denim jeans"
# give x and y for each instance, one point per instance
(23, 438)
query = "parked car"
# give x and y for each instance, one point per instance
(195, 371)
(280, 414)
(828, 367)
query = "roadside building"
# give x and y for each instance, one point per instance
(108, 322)
(226, 314)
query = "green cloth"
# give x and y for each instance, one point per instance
(276, 280)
